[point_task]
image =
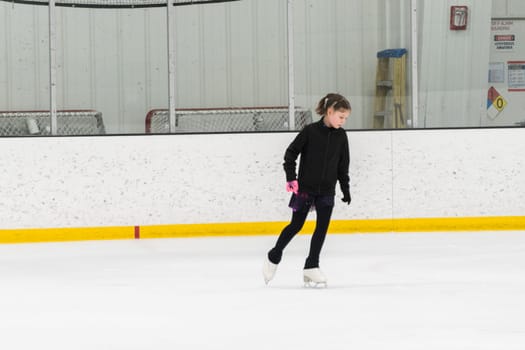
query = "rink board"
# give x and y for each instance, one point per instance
(127, 187)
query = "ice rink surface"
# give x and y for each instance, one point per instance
(385, 291)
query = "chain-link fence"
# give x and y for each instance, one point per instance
(27, 123)
(226, 120)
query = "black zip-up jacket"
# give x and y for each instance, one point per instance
(324, 159)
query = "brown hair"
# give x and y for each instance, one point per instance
(336, 101)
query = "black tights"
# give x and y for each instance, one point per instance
(316, 243)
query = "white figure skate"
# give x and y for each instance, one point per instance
(269, 269)
(314, 278)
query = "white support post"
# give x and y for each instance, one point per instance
(291, 92)
(414, 53)
(52, 67)
(170, 17)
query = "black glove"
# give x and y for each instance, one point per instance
(346, 197)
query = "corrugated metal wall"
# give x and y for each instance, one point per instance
(235, 55)
(226, 55)
(453, 64)
(508, 8)
(232, 55)
(23, 57)
(335, 48)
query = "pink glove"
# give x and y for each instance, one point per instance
(292, 186)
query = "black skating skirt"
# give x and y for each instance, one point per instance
(303, 202)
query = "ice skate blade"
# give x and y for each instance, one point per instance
(269, 270)
(308, 283)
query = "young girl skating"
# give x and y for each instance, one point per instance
(323, 146)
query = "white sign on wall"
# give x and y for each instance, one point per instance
(503, 35)
(516, 71)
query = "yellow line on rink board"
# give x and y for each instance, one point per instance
(65, 234)
(498, 223)
(501, 223)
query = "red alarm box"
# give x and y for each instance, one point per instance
(458, 17)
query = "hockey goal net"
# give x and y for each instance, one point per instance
(69, 122)
(210, 120)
